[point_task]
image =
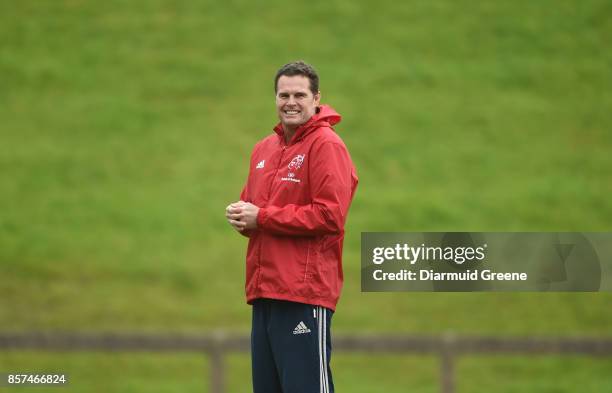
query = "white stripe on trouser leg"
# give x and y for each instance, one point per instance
(322, 386)
(326, 379)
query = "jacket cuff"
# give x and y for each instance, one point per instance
(261, 217)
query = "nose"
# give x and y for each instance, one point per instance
(291, 100)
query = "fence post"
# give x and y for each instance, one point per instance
(447, 372)
(217, 371)
(217, 366)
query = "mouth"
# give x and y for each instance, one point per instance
(291, 112)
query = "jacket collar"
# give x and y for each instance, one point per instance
(326, 116)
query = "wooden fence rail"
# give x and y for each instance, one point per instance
(216, 345)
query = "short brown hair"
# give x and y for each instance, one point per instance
(299, 68)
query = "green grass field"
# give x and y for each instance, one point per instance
(126, 128)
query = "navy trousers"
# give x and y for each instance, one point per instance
(290, 347)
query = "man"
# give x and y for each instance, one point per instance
(293, 209)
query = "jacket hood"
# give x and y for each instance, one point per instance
(326, 116)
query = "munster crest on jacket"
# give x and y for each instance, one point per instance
(296, 163)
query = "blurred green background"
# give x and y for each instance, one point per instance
(126, 128)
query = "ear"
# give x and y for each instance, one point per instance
(317, 98)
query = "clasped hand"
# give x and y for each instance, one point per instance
(242, 215)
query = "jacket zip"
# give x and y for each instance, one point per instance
(307, 260)
(280, 160)
(269, 195)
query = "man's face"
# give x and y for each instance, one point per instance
(295, 103)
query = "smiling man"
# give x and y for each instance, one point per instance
(293, 209)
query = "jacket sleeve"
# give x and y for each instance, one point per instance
(332, 181)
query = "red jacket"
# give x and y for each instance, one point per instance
(304, 190)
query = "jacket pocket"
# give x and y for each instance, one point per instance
(309, 251)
